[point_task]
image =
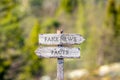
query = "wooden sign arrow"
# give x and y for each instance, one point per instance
(58, 52)
(55, 39)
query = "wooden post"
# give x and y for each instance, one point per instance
(60, 69)
(60, 63)
(59, 52)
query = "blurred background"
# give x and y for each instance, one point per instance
(98, 21)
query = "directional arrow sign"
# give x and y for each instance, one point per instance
(58, 52)
(55, 39)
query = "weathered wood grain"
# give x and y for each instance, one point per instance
(60, 63)
(58, 52)
(60, 69)
(55, 39)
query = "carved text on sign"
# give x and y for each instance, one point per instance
(60, 39)
(58, 52)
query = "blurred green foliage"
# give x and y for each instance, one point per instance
(69, 5)
(11, 38)
(21, 21)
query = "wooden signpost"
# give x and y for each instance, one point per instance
(59, 52)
